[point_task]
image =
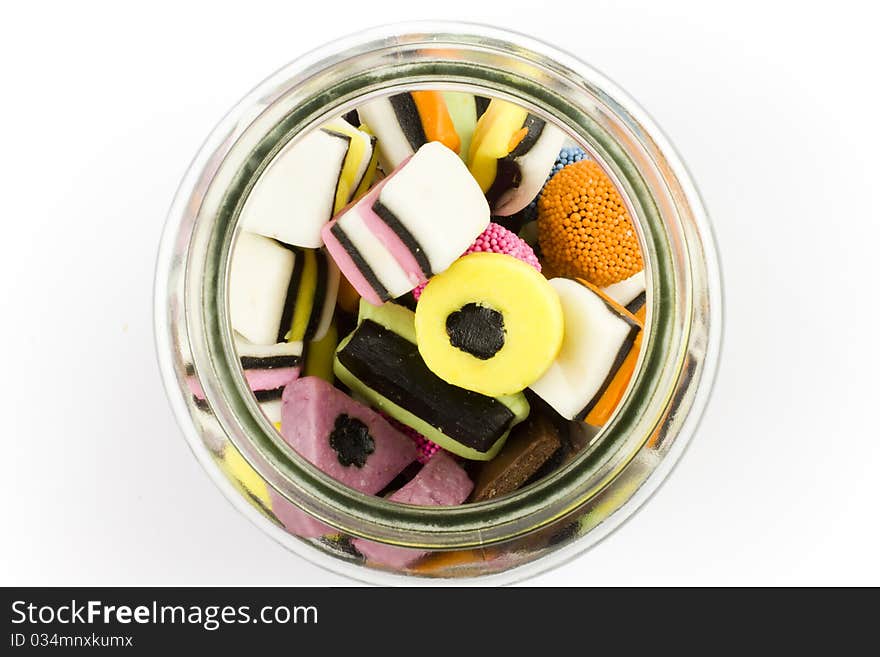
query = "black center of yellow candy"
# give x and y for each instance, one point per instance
(351, 440)
(477, 330)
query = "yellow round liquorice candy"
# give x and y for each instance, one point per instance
(489, 323)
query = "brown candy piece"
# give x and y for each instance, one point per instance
(529, 446)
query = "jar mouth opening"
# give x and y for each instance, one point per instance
(331, 112)
(598, 123)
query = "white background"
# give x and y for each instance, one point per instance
(774, 108)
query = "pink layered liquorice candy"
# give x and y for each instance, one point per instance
(441, 482)
(342, 437)
(410, 226)
(267, 369)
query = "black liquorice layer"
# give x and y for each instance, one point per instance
(622, 353)
(359, 262)
(357, 185)
(352, 118)
(405, 236)
(261, 396)
(292, 288)
(347, 140)
(477, 330)
(391, 365)
(482, 104)
(508, 174)
(320, 295)
(535, 128)
(270, 362)
(636, 304)
(407, 115)
(269, 395)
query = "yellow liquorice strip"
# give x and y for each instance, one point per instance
(319, 356)
(495, 131)
(351, 166)
(305, 296)
(370, 175)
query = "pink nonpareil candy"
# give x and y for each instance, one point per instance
(497, 239)
(441, 482)
(425, 448)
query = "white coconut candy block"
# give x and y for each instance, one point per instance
(629, 293)
(412, 225)
(280, 293)
(598, 338)
(533, 158)
(295, 195)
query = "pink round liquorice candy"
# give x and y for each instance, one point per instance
(497, 239)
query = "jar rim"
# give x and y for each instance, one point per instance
(683, 379)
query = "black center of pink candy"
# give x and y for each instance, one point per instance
(351, 440)
(477, 330)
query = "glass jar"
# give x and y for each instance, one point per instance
(537, 527)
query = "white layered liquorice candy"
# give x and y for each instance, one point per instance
(272, 410)
(629, 293)
(395, 121)
(280, 293)
(597, 340)
(359, 167)
(296, 193)
(412, 225)
(258, 280)
(522, 174)
(269, 367)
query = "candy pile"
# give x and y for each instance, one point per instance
(402, 339)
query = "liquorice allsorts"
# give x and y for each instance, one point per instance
(267, 370)
(510, 155)
(630, 292)
(598, 355)
(405, 122)
(380, 362)
(410, 226)
(308, 181)
(278, 292)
